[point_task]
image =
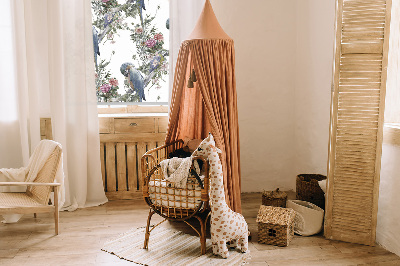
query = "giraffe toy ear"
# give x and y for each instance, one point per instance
(210, 136)
(216, 149)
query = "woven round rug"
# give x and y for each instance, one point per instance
(167, 247)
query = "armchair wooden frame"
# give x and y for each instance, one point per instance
(36, 197)
(35, 208)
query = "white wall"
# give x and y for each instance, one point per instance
(284, 52)
(388, 227)
(284, 56)
(264, 34)
(314, 60)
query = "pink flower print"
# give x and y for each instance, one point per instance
(105, 88)
(105, 1)
(159, 37)
(150, 43)
(114, 82)
(139, 30)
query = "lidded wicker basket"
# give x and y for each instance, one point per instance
(275, 225)
(308, 189)
(274, 198)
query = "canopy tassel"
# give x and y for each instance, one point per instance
(193, 76)
(190, 83)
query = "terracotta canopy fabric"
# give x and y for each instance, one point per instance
(210, 106)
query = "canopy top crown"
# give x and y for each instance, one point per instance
(207, 26)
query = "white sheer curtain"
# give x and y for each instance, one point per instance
(10, 144)
(183, 18)
(55, 77)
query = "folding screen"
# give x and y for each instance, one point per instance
(204, 97)
(358, 97)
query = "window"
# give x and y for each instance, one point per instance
(131, 42)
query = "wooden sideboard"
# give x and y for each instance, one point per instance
(124, 138)
(123, 141)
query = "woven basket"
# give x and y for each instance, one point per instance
(274, 198)
(275, 225)
(308, 189)
(277, 235)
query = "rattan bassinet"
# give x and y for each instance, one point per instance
(171, 202)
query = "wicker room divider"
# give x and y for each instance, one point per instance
(358, 97)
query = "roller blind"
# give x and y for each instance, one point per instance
(358, 97)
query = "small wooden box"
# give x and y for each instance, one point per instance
(275, 225)
(274, 198)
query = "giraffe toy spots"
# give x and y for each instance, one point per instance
(226, 225)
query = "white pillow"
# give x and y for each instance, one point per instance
(322, 184)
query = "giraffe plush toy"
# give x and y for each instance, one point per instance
(226, 225)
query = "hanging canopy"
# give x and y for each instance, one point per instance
(211, 105)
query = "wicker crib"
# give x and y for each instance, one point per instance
(175, 203)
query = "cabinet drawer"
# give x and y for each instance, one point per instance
(134, 125)
(106, 125)
(162, 124)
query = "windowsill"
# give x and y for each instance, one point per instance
(133, 115)
(391, 133)
(118, 104)
(132, 110)
(392, 125)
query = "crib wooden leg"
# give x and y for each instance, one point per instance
(203, 232)
(203, 236)
(147, 235)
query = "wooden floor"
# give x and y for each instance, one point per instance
(82, 233)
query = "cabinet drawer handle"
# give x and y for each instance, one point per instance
(133, 124)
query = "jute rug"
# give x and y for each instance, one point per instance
(168, 247)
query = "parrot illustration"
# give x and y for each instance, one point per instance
(135, 78)
(95, 44)
(108, 19)
(141, 6)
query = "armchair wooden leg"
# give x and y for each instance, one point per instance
(147, 235)
(56, 212)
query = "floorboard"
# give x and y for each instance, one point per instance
(82, 233)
